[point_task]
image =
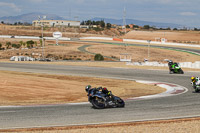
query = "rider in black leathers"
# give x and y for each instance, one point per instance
(104, 90)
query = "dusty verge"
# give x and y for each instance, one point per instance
(19, 88)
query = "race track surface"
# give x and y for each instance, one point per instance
(184, 105)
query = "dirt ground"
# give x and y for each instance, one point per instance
(141, 53)
(69, 51)
(191, 37)
(19, 88)
(190, 125)
(48, 31)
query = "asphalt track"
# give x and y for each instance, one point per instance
(179, 106)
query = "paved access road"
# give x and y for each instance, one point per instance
(184, 105)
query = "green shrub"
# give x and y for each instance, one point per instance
(78, 59)
(98, 57)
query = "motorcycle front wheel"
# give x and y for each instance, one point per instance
(120, 102)
(98, 103)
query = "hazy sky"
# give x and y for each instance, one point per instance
(184, 12)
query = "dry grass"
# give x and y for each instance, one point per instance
(190, 125)
(48, 31)
(140, 53)
(19, 88)
(171, 36)
(69, 50)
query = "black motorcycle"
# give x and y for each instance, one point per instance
(99, 100)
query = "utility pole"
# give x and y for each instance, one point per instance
(124, 20)
(42, 26)
(148, 48)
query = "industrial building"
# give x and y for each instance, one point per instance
(56, 23)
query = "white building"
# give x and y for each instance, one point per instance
(21, 58)
(56, 23)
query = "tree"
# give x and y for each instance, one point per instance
(14, 45)
(127, 26)
(102, 23)
(21, 43)
(30, 43)
(98, 57)
(195, 29)
(83, 23)
(8, 45)
(146, 27)
(108, 26)
(89, 22)
(93, 23)
(135, 26)
(40, 42)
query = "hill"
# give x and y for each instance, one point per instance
(138, 22)
(34, 16)
(29, 18)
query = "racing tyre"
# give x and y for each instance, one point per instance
(120, 102)
(181, 71)
(98, 103)
(196, 90)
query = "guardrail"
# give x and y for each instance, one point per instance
(103, 38)
(195, 65)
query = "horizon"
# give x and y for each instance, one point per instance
(159, 11)
(93, 19)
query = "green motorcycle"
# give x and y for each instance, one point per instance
(175, 68)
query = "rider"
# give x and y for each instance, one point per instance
(195, 81)
(103, 90)
(172, 65)
(88, 87)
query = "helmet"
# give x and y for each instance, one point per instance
(87, 88)
(105, 90)
(192, 78)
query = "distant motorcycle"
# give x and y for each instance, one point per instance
(99, 100)
(195, 83)
(196, 88)
(175, 68)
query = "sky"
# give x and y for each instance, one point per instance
(184, 12)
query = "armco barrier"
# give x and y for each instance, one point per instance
(26, 37)
(195, 65)
(5, 36)
(97, 38)
(109, 39)
(164, 43)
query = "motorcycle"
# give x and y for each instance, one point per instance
(99, 100)
(175, 68)
(196, 87)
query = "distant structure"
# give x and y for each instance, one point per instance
(125, 57)
(56, 23)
